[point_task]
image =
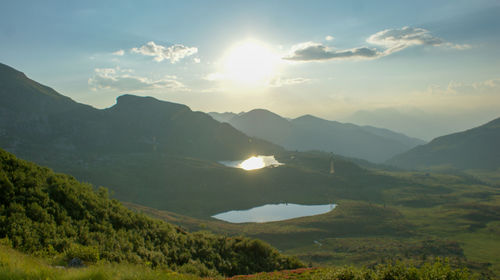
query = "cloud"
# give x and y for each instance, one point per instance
(311, 51)
(395, 40)
(460, 88)
(390, 40)
(196, 60)
(121, 80)
(173, 53)
(119, 53)
(329, 38)
(279, 82)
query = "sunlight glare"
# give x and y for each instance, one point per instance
(250, 62)
(253, 163)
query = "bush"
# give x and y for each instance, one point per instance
(85, 253)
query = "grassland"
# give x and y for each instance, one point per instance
(15, 265)
(424, 216)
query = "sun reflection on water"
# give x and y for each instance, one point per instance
(252, 163)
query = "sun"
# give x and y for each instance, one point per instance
(253, 163)
(250, 62)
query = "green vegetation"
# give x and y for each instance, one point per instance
(418, 216)
(162, 155)
(50, 214)
(15, 265)
(433, 270)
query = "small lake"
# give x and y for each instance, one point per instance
(252, 163)
(273, 213)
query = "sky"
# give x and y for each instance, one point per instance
(331, 59)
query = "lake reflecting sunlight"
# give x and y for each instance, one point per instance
(254, 162)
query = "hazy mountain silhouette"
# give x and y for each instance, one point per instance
(164, 155)
(476, 148)
(417, 123)
(312, 133)
(35, 119)
(223, 117)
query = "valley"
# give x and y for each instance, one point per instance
(166, 161)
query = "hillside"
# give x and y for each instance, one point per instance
(15, 265)
(45, 213)
(38, 123)
(311, 133)
(476, 148)
(164, 155)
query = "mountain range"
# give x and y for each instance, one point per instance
(164, 155)
(37, 121)
(312, 133)
(476, 148)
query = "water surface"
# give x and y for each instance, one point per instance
(273, 212)
(254, 162)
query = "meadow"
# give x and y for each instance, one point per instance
(433, 214)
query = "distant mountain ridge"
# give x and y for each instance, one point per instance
(163, 155)
(476, 148)
(34, 118)
(312, 133)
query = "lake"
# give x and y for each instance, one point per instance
(273, 212)
(254, 162)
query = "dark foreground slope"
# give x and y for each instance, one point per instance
(311, 133)
(47, 213)
(476, 148)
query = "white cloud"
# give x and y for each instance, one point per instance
(460, 88)
(395, 40)
(196, 60)
(119, 53)
(173, 53)
(121, 80)
(311, 51)
(390, 40)
(279, 82)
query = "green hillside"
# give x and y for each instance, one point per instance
(51, 214)
(15, 265)
(476, 148)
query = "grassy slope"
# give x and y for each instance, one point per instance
(431, 215)
(15, 265)
(201, 188)
(52, 214)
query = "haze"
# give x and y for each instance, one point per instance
(431, 65)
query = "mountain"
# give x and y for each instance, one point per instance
(421, 124)
(36, 120)
(163, 155)
(312, 133)
(222, 117)
(51, 214)
(476, 148)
